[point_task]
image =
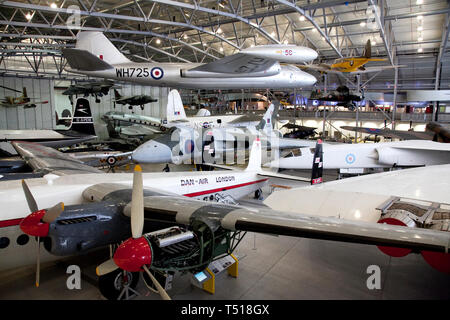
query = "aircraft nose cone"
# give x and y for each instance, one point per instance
(152, 152)
(310, 79)
(310, 54)
(306, 79)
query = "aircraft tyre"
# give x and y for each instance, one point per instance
(112, 284)
(258, 194)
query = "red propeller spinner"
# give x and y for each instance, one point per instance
(32, 224)
(132, 254)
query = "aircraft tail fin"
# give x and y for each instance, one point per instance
(83, 60)
(317, 166)
(175, 110)
(368, 50)
(255, 159)
(24, 92)
(267, 122)
(98, 44)
(117, 95)
(82, 121)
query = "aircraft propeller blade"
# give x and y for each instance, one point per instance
(106, 267)
(161, 290)
(38, 261)
(53, 213)
(11, 89)
(137, 204)
(29, 196)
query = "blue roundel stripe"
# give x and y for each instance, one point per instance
(189, 146)
(157, 73)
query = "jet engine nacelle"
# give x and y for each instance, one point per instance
(273, 70)
(283, 53)
(387, 156)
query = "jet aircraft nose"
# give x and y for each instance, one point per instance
(152, 152)
(306, 79)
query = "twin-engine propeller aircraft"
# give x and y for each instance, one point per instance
(22, 100)
(351, 65)
(257, 67)
(171, 230)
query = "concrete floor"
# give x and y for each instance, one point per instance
(271, 267)
(279, 268)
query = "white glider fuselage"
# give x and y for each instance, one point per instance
(371, 155)
(170, 75)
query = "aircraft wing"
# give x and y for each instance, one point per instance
(183, 210)
(237, 64)
(375, 69)
(396, 134)
(317, 67)
(48, 160)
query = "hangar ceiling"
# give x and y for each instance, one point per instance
(413, 33)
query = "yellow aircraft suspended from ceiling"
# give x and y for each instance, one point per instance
(350, 65)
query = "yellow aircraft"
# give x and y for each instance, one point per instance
(22, 100)
(350, 64)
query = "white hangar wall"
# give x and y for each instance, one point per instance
(44, 115)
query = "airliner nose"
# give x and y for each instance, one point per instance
(152, 152)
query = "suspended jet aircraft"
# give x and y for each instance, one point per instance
(370, 155)
(81, 129)
(342, 95)
(137, 100)
(257, 67)
(95, 89)
(22, 100)
(298, 132)
(181, 234)
(351, 65)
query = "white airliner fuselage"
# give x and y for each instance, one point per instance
(47, 191)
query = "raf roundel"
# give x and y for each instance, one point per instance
(350, 158)
(157, 73)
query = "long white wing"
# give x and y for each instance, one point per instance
(358, 198)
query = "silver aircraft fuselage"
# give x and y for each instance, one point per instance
(170, 75)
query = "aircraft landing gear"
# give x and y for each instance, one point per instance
(119, 285)
(258, 194)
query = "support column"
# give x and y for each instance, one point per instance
(394, 111)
